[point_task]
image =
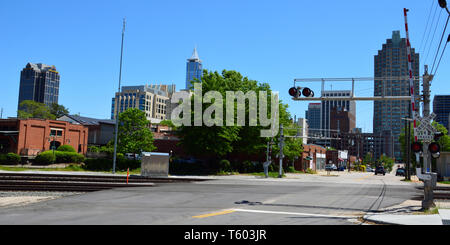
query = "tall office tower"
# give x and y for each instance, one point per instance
(40, 83)
(441, 107)
(328, 105)
(313, 115)
(149, 100)
(194, 69)
(391, 64)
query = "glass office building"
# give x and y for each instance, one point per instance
(40, 83)
(441, 107)
(194, 69)
(391, 64)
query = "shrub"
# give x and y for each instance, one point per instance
(45, 157)
(50, 157)
(66, 148)
(10, 158)
(93, 148)
(68, 157)
(225, 165)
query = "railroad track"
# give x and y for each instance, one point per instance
(440, 192)
(76, 183)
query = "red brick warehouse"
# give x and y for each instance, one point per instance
(29, 137)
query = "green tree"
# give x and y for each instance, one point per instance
(444, 141)
(168, 123)
(33, 109)
(219, 141)
(368, 159)
(134, 134)
(386, 162)
(58, 110)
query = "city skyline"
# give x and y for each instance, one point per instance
(279, 55)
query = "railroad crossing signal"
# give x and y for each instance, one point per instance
(296, 92)
(416, 147)
(425, 130)
(434, 149)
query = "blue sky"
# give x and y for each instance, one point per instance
(268, 41)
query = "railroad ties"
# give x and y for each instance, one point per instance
(76, 183)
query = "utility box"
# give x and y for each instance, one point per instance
(155, 165)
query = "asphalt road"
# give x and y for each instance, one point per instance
(232, 200)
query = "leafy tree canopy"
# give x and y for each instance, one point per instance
(58, 110)
(33, 109)
(134, 134)
(222, 140)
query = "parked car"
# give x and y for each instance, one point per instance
(369, 169)
(380, 170)
(400, 172)
(330, 167)
(342, 168)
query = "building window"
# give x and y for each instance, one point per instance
(56, 132)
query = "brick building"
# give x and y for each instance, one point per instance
(313, 157)
(342, 120)
(29, 137)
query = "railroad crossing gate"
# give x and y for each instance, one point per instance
(425, 131)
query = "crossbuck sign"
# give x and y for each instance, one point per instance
(425, 131)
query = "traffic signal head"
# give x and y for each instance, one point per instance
(293, 91)
(308, 92)
(416, 147)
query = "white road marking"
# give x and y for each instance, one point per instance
(292, 213)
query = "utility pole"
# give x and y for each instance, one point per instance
(116, 104)
(428, 201)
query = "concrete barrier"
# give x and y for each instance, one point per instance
(155, 165)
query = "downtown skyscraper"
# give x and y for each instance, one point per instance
(40, 83)
(441, 107)
(392, 79)
(194, 69)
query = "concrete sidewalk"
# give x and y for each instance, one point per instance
(408, 213)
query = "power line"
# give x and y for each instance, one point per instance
(426, 27)
(431, 25)
(443, 50)
(437, 51)
(432, 39)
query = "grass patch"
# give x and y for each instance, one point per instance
(432, 211)
(71, 167)
(444, 182)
